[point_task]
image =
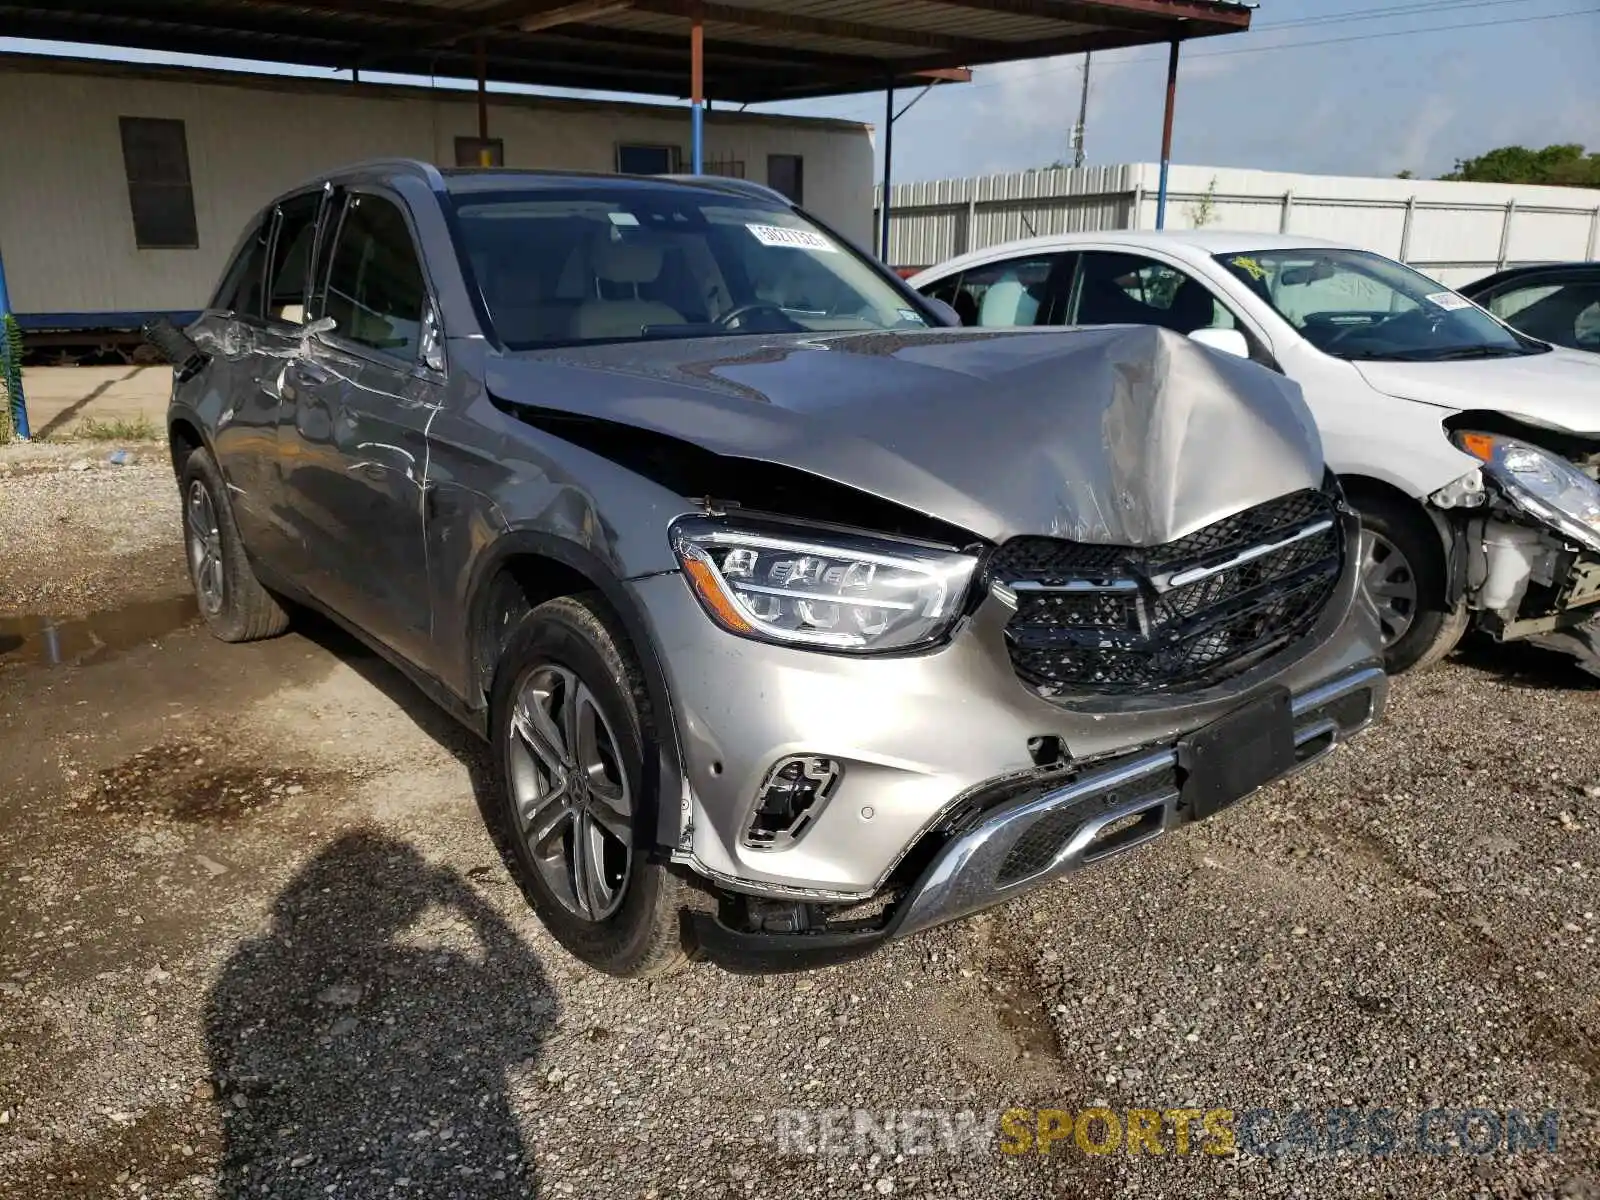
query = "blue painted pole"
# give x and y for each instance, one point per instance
(697, 92)
(1166, 134)
(11, 370)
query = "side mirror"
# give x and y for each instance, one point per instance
(1229, 341)
(176, 346)
(946, 314)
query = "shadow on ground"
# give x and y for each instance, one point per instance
(1525, 664)
(362, 1045)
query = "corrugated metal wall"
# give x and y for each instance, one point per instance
(66, 227)
(940, 219)
(1454, 231)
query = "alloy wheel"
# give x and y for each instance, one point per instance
(574, 807)
(1392, 584)
(205, 548)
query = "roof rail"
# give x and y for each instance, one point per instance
(738, 187)
(425, 171)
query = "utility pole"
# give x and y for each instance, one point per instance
(1083, 116)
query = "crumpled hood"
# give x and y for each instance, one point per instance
(1119, 435)
(1560, 388)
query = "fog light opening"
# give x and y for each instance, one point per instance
(790, 798)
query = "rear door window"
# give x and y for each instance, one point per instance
(291, 258)
(241, 289)
(1130, 289)
(1013, 294)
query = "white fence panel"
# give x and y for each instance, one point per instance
(1454, 231)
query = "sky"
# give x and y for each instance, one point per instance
(1352, 87)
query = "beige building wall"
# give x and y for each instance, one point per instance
(66, 231)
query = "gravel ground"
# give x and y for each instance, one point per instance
(253, 940)
(60, 553)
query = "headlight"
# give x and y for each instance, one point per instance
(832, 590)
(1542, 484)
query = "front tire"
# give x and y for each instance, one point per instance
(571, 725)
(1403, 570)
(235, 606)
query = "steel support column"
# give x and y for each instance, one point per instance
(485, 157)
(888, 170)
(697, 92)
(1166, 133)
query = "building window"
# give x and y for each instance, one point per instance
(728, 168)
(468, 148)
(647, 160)
(786, 174)
(155, 154)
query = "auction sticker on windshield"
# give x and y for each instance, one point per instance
(1449, 301)
(794, 239)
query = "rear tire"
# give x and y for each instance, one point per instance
(571, 725)
(235, 606)
(1403, 569)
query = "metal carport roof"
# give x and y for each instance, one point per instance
(755, 50)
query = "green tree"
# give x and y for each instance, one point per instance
(1563, 165)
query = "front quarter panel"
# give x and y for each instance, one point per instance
(500, 486)
(1365, 432)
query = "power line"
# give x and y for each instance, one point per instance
(1133, 60)
(1359, 37)
(1389, 13)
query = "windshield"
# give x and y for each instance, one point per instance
(641, 263)
(1356, 305)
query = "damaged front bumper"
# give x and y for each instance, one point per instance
(1048, 828)
(940, 797)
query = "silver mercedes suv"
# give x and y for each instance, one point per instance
(797, 619)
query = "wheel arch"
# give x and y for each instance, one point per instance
(526, 568)
(1451, 562)
(183, 439)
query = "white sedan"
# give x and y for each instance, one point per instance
(1469, 448)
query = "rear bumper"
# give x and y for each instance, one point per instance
(1041, 835)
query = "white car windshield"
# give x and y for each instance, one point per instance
(636, 263)
(1356, 305)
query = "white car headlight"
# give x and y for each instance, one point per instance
(821, 588)
(1543, 485)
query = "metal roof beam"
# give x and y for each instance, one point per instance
(594, 37)
(1148, 15)
(781, 22)
(573, 14)
(496, 17)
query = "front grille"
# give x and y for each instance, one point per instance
(1191, 612)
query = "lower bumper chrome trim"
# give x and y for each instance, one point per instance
(1134, 799)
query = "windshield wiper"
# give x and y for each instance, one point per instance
(1378, 355)
(1463, 352)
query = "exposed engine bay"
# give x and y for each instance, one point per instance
(1525, 534)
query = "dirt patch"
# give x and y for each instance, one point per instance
(191, 782)
(89, 540)
(1020, 1004)
(152, 1153)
